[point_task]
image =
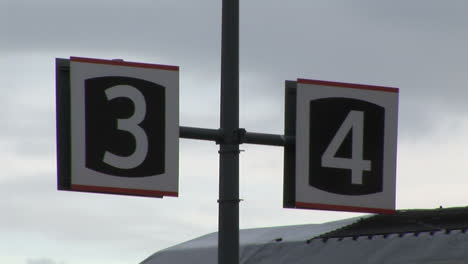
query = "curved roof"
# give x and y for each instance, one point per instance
(436, 236)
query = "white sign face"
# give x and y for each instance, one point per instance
(346, 141)
(124, 127)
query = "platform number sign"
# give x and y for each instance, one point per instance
(346, 146)
(123, 134)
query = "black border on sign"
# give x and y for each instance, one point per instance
(289, 165)
(63, 122)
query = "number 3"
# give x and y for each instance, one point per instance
(355, 122)
(131, 125)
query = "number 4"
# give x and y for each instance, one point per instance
(353, 122)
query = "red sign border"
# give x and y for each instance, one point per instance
(125, 63)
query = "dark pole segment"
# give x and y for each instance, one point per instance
(289, 182)
(228, 219)
(230, 69)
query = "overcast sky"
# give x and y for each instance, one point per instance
(418, 46)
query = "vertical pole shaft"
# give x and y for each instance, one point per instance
(228, 233)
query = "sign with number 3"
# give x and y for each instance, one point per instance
(123, 127)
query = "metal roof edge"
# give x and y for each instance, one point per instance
(403, 222)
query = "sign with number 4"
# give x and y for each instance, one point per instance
(346, 137)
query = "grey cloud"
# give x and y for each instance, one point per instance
(429, 15)
(42, 261)
(131, 27)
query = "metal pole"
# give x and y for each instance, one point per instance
(228, 219)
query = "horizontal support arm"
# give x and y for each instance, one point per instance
(201, 133)
(266, 139)
(242, 135)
